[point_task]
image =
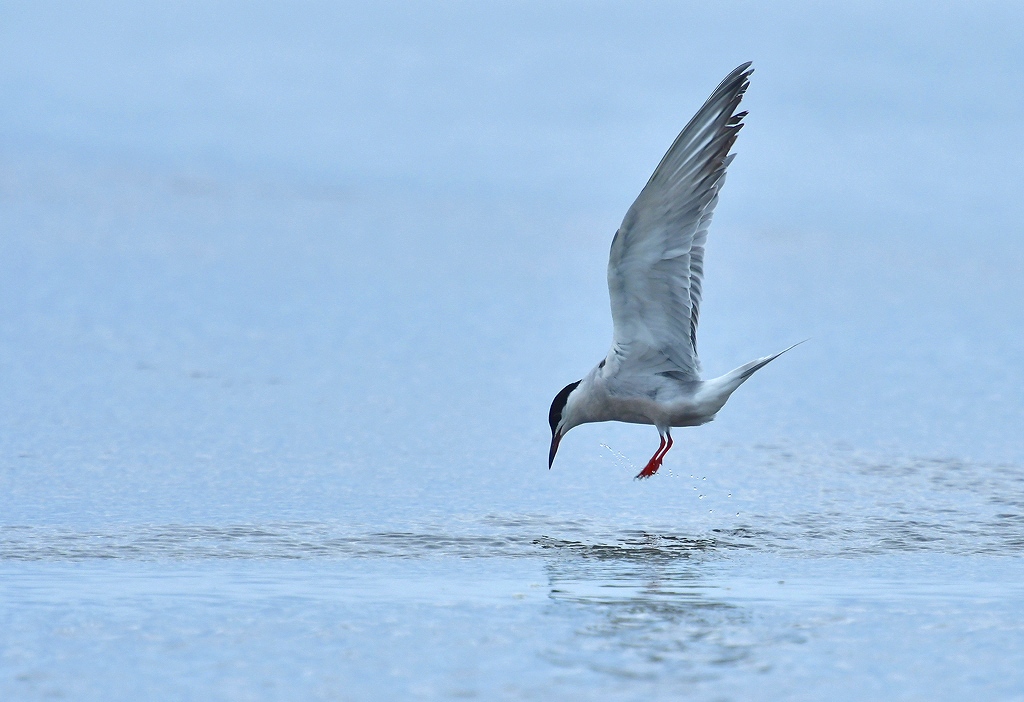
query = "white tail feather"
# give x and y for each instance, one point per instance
(728, 383)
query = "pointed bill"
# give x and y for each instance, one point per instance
(556, 438)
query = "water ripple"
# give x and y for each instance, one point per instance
(859, 507)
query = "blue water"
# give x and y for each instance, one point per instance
(286, 292)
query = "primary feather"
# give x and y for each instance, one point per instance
(656, 264)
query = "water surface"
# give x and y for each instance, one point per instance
(287, 292)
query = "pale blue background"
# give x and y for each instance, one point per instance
(287, 290)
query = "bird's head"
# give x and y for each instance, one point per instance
(560, 417)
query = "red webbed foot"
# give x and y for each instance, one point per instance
(650, 469)
(655, 463)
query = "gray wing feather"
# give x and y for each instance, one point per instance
(656, 264)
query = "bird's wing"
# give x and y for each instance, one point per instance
(656, 265)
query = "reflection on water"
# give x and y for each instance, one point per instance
(644, 612)
(790, 594)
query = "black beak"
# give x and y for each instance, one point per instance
(555, 438)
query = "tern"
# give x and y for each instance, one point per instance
(651, 375)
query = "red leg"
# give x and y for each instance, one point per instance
(655, 463)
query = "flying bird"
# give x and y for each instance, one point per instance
(651, 375)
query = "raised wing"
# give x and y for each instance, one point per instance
(656, 265)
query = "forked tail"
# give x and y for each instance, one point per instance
(734, 378)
